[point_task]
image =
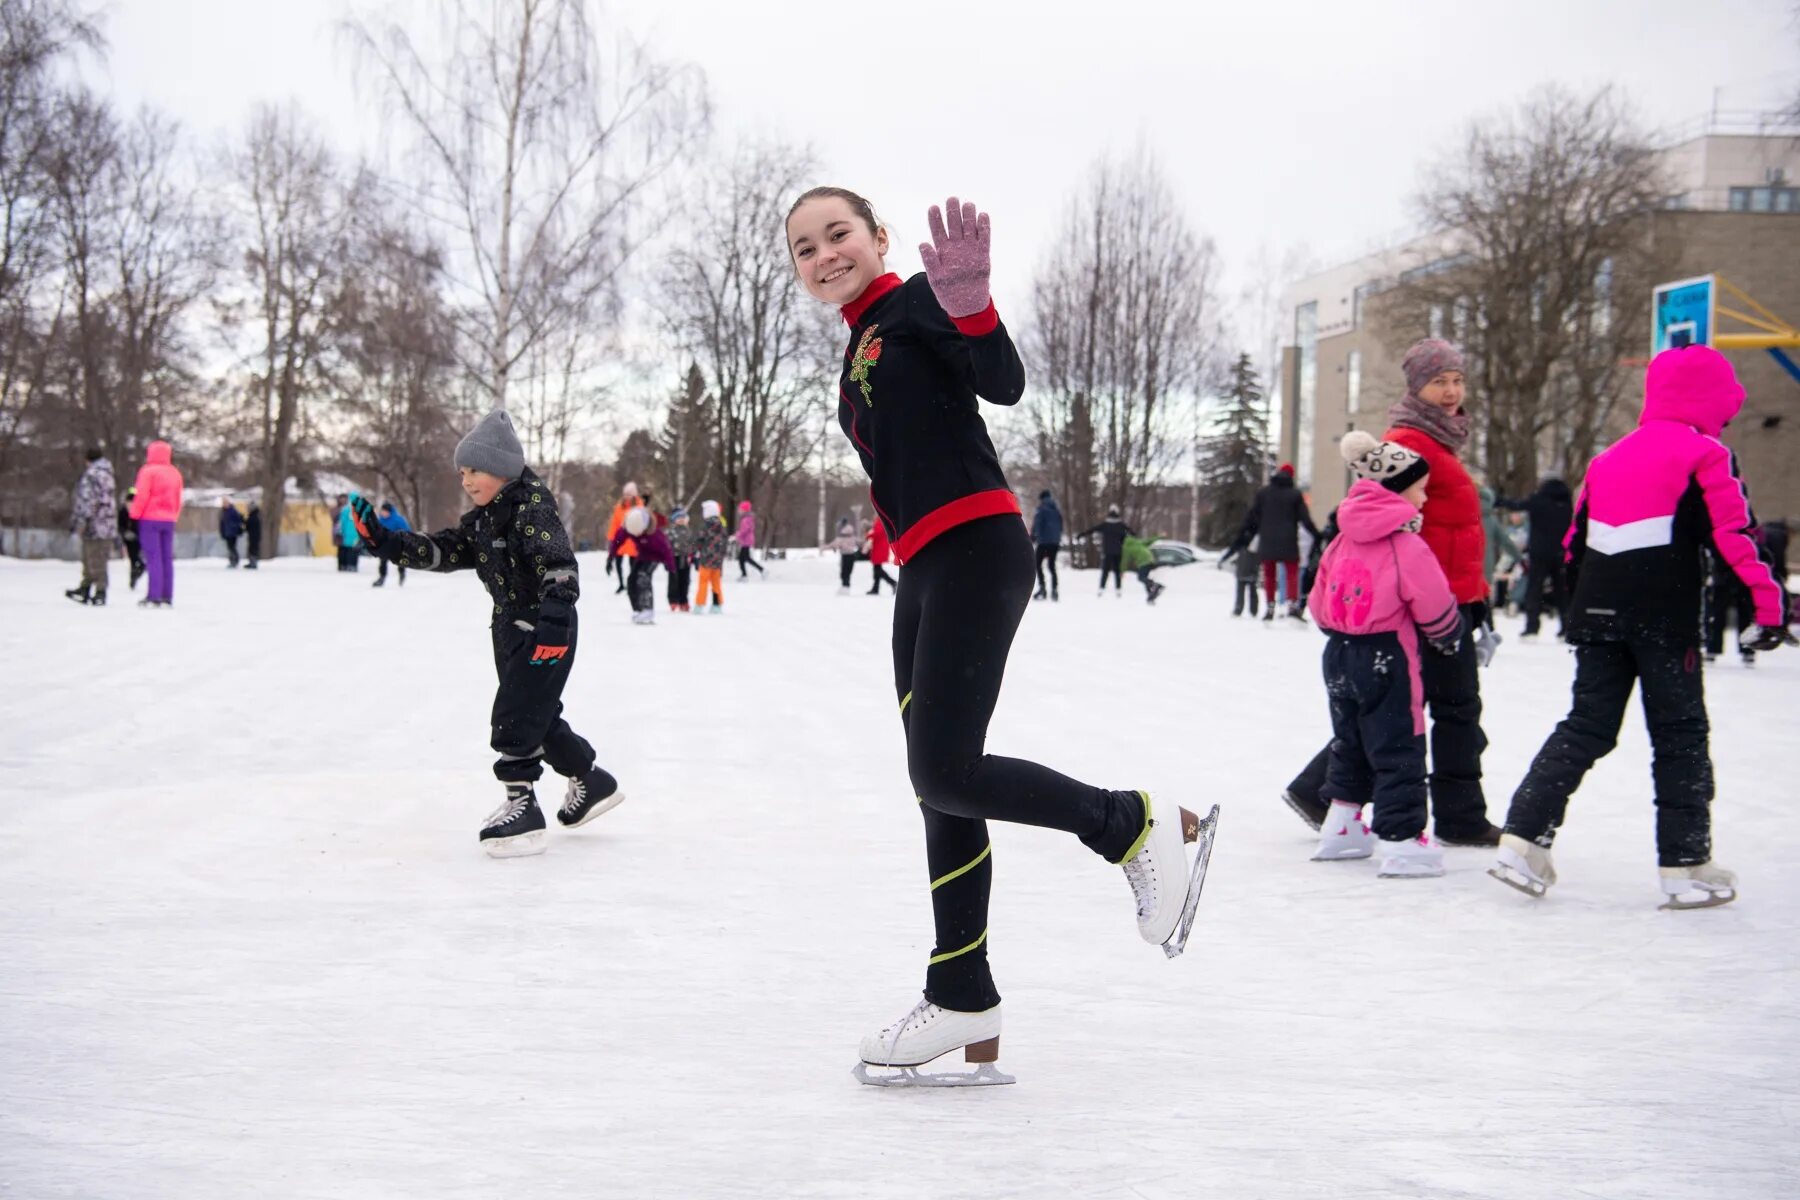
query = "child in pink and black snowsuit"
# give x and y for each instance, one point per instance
(1379, 591)
(1648, 507)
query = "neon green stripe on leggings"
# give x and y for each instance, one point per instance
(905, 700)
(958, 953)
(964, 869)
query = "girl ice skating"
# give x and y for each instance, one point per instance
(919, 353)
(1646, 509)
(1379, 590)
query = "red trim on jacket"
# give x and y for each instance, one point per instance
(978, 324)
(958, 512)
(854, 310)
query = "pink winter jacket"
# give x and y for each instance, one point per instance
(1380, 577)
(158, 486)
(746, 530)
(1652, 500)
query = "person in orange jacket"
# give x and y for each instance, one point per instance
(155, 509)
(628, 500)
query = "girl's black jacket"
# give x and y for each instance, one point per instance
(907, 402)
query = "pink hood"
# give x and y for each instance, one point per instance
(1694, 385)
(158, 486)
(1379, 577)
(1371, 513)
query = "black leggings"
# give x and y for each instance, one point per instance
(959, 603)
(1046, 554)
(846, 566)
(744, 560)
(1110, 562)
(881, 577)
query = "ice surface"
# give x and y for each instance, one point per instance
(250, 948)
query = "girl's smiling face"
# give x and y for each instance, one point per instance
(835, 252)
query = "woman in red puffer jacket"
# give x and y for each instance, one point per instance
(1431, 420)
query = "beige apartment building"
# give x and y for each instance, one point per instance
(1737, 214)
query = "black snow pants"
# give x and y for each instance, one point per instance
(1246, 593)
(1453, 699)
(678, 583)
(1539, 580)
(958, 606)
(640, 584)
(1046, 554)
(1376, 757)
(528, 726)
(1681, 763)
(1110, 562)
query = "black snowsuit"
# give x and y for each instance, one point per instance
(517, 547)
(1635, 621)
(1550, 510)
(1113, 531)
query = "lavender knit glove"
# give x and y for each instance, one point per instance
(957, 264)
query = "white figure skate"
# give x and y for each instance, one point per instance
(929, 1032)
(1164, 884)
(1704, 886)
(1524, 865)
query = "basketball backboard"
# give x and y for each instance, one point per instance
(1682, 313)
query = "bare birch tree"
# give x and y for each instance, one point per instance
(537, 140)
(1548, 214)
(1123, 332)
(765, 349)
(298, 232)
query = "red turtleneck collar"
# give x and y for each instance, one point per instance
(854, 310)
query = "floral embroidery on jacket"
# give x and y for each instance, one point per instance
(868, 353)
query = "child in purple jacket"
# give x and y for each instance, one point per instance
(639, 526)
(1379, 589)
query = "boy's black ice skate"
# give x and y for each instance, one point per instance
(589, 796)
(516, 828)
(78, 594)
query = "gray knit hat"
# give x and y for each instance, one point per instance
(492, 446)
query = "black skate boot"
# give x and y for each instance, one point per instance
(78, 594)
(1311, 811)
(589, 796)
(1484, 834)
(516, 828)
(98, 598)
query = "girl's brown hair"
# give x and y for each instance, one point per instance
(861, 207)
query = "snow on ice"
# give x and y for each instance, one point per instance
(248, 944)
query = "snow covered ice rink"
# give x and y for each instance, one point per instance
(249, 946)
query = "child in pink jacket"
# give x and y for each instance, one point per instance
(156, 508)
(1379, 590)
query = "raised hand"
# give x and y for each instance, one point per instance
(362, 514)
(956, 260)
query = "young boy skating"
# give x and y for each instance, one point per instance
(513, 540)
(709, 552)
(1379, 590)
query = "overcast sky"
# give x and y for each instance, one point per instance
(1281, 124)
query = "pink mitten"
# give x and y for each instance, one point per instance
(957, 264)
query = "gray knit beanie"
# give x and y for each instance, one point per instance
(492, 446)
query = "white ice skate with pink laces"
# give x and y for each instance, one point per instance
(1410, 858)
(1343, 835)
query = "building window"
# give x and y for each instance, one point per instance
(1357, 299)
(1765, 199)
(1306, 386)
(1353, 381)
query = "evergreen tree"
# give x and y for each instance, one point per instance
(1233, 456)
(684, 446)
